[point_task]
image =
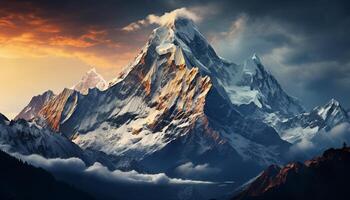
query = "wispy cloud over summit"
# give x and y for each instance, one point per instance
(165, 19)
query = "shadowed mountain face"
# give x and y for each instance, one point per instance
(20, 181)
(324, 177)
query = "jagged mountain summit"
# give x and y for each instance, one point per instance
(179, 98)
(90, 80)
(36, 103)
(308, 125)
(37, 106)
(257, 94)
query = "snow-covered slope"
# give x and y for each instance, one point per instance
(269, 97)
(248, 85)
(36, 103)
(307, 125)
(26, 138)
(90, 80)
(178, 102)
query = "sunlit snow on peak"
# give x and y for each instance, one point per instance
(90, 80)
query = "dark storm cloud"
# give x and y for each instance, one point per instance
(313, 36)
(304, 43)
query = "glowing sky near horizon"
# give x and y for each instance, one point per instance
(40, 52)
(23, 78)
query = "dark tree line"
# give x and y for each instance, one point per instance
(19, 180)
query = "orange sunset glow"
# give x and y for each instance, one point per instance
(37, 51)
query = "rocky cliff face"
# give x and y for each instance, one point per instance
(35, 105)
(54, 112)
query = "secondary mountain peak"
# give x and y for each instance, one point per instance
(90, 80)
(308, 124)
(331, 106)
(34, 106)
(333, 113)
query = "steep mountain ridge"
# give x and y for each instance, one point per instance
(35, 105)
(55, 111)
(50, 115)
(324, 177)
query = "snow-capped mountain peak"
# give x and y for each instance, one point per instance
(332, 106)
(307, 125)
(90, 80)
(333, 113)
(245, 84)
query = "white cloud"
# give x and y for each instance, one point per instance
(165, 19)
(98, 171)
(135, 177)
(54, 164)
(322, 141)
(246, 36)
(189, 169)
